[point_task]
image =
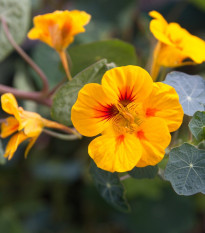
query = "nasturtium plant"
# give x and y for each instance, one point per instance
(98, 90)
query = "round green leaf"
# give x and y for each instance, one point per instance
(17, 15)
(66, 96)
(110, 188)
(144, 172)
(116, 51)
(197, 125)
(186, 169)
(191, 91)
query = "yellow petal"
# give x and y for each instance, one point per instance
(154, 137)
(31, 143)
(115, 153)
(9, 127)
(158, 27)
(164, 103)
(13, 144)
(170, 56)
(127, 84)
(9, 104)
(92, 111)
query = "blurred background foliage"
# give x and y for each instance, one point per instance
(52, 191)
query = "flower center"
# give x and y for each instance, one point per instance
(128, 119)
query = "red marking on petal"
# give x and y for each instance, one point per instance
(120, 138)
(151, 112)
(106, 112)
(140, 134)
(126, 96)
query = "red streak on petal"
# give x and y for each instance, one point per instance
(126, 96)
(151, 112)
(140, 135)
(106, 112)
(120, 139)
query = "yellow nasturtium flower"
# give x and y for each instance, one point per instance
(58, 29)
(175, 47)
(26, 125)
(133, 115)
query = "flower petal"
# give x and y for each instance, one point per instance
(164, 103)
(158, 27)
(115, 153)
(9, 127)
(31, 143)
(13, 144)
(92, 110)
(127, 84)
(9, 104)
(154, 137)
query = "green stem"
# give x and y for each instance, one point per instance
(67, 137)
(25, 57)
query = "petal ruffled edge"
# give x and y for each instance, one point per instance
(154, 138)
(164, 103)
(115, 153)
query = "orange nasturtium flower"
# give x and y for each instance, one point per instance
(27, 125)
(175, 47)
(58, 29)
(134, 115)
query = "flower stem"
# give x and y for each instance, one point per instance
(67, 137)
(25, 56)
(35, 96)
(64, 61)
(124, 177)
(56, 125)
(155, 66)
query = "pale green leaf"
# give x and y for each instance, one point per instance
(186, 169)
(17, 15)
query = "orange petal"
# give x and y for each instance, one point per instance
(57, 29)
(93, 109)
(127, 84)
(164, 103)
(13, 144)
(154, 137)
(9, 127)
(115, 153)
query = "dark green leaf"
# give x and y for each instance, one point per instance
(110, 187)
(66, 96)
(197, 125)
(17, 15)
(116, 51)
(191, 91)
(186, 169)
(2, 159)
(144, 172)
(48, 60)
